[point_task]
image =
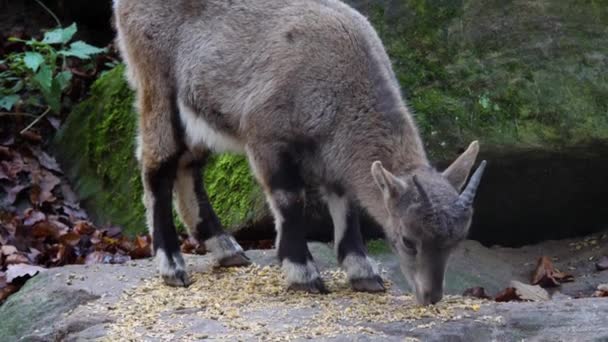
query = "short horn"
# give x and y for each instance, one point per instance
(468, 195)
(423, 194)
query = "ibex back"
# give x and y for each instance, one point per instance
(305, 89)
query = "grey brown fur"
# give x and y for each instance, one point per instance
(307, 92)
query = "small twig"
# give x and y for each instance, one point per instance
(50, 12)
(48, 109)
(17, 114)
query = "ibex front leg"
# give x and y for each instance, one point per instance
(349, 246)
(280, 176)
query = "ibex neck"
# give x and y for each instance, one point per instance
(402, 158)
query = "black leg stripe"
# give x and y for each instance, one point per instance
(210, 224)
(352, 241)
(160, 182)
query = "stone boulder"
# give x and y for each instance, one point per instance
(111, 302)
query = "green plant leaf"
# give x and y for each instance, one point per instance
(33, 60)
(7, 102)
(52, 96)
(63, 79)
(81, 50)
(60, 35)
(17, 87)
(44, 78)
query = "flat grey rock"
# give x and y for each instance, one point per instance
(83, 303)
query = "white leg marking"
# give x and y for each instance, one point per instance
(272, 204)
(298, 273)
(148, 199)
(166, 267)
(185, 200)
(359, 267)
(223, 246)
(198, 132)
(278, 219)
(338, 208)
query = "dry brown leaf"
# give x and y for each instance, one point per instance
(13, 167)
(42, 189)
(547, 276)
(507, 295)
(83, 228)
(8, 250)
(70, 238)
(12, 192)
(61, 254)
(602, 291)
(16, 258)
(31, 136)
(143, 241)
(143, 248)
(189, 245)
(43, 230)
(73, 210)
(45, 160)
(31, 217)
(7, 290)
(530, 292)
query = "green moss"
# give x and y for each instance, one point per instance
(232, 189)
(96, 147)
(537, 78)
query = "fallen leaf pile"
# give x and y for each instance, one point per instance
(42, 224)
(507, 295)
(253, 303)
(544, 276)
(547, 276)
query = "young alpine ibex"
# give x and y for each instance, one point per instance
(305, 89)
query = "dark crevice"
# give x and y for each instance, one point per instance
(525, 197)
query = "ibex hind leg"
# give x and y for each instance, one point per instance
(197, 214)
(280, 176)
(348, 243)
(157, 176)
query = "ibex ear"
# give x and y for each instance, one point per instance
(390, 185)
(458, 172)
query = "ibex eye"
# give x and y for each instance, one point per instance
(409, 244)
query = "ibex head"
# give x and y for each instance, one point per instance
(427, 217)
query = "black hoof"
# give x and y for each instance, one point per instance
(315, 286)
(178, 279)
(236, 260)
(373, 285)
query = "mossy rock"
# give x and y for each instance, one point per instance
(96, 149)
(516, 74)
